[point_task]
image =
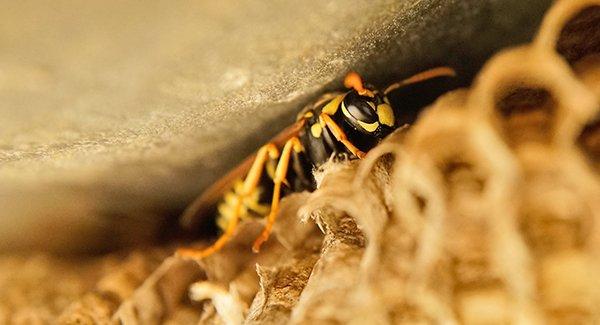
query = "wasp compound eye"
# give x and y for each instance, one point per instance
(360, 112)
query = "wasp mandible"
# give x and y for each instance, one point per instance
(339, 124)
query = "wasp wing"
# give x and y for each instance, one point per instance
(204, 204)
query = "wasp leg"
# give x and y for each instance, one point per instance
(422, 76)
(252, 179)
(339, 134)
(280, 178)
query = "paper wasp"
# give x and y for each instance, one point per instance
(346, 124)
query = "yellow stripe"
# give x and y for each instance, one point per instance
(369, 127)
(345, 111)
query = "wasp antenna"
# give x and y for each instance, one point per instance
(354, 81)
(422, 76)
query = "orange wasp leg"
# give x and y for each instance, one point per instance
(421, 76)
(280, 178)
(339, 134)
(200, 207)
(250, 183)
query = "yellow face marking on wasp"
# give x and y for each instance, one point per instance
(333, 105)
(345, 111)
(386, 114)
(369, 127)
(316, 130)
(308, 114)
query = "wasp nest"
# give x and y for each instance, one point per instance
(484, 211)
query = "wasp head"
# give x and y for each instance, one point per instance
(365, 109)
